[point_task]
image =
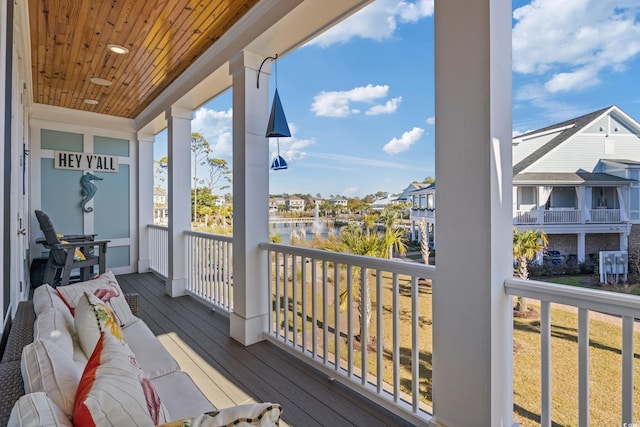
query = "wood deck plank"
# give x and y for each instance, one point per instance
(229, 373)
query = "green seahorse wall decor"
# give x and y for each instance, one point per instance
(88, 190)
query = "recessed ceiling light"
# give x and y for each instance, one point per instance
(91, 101)
(116, 48)
(99, 81)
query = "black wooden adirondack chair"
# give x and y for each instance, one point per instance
(70, 252)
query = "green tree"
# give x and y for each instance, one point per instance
(354, 240)
(161, 168)
(219, 173)
(526, 244)
(428, 180)
(200, 150)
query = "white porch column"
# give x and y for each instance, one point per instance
(581, 246)
(145, 198)
(179, 197)
(472, 315)
(250, 198)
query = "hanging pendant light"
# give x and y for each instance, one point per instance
(277, 125)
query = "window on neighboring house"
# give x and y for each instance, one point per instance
(430, 201)
(527, 197)
(562, 197)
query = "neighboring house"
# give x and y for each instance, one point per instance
(383, 202)
(423, 205)
(578, 181)
(276, 204)
(406, 194)
(160, 207)
(338, 201)
(294, 204)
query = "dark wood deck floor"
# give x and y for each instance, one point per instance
(230, 374)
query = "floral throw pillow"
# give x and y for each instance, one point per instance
(92, 316)
(114, 390)
(105, 287)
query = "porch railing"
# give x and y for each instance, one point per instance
(586, 301)
(390, 367)
(566, 216)
(605, 215)
(159, 249)
(210, 268)
(562, 216)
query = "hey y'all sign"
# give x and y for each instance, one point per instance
(85, 161)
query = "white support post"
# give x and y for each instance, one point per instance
(581, 247)
(145, 198)
(251, 295)
(472, 315)
(179, 189)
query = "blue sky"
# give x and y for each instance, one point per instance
(359, 98)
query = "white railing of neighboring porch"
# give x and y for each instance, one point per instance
(305, 320)
(210, 268)
(585, 300)
(605, 215)
(568, 216)
(159, 249)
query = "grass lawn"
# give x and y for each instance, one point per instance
(605, 353)
(605, 371)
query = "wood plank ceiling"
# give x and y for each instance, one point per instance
(69, 40)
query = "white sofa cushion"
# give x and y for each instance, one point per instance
(37, 409)
(181, 396)
(154, 359)
(52, 324)
(106, 288)
(114, 390)
(48, 369)
(45, 297)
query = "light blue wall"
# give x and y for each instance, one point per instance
(111, 204)
(62, 141)
(117, 256)
(61, 193)
(61, 197)
(110, 146)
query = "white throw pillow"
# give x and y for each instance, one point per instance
(48, 369)
(36, 409)
(45, 297)
(106, 288)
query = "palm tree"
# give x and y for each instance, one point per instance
(393, 236)
(424, 242)
(395, 241)
(355, 241)
(526, 244)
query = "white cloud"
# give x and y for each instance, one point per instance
(350, 191)
(402, 144)
(216, 128)
(431, 120)
(390, 107)
(377, 21)
(291, 149)
(352, 161)
(570, 42)
(338, 103)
